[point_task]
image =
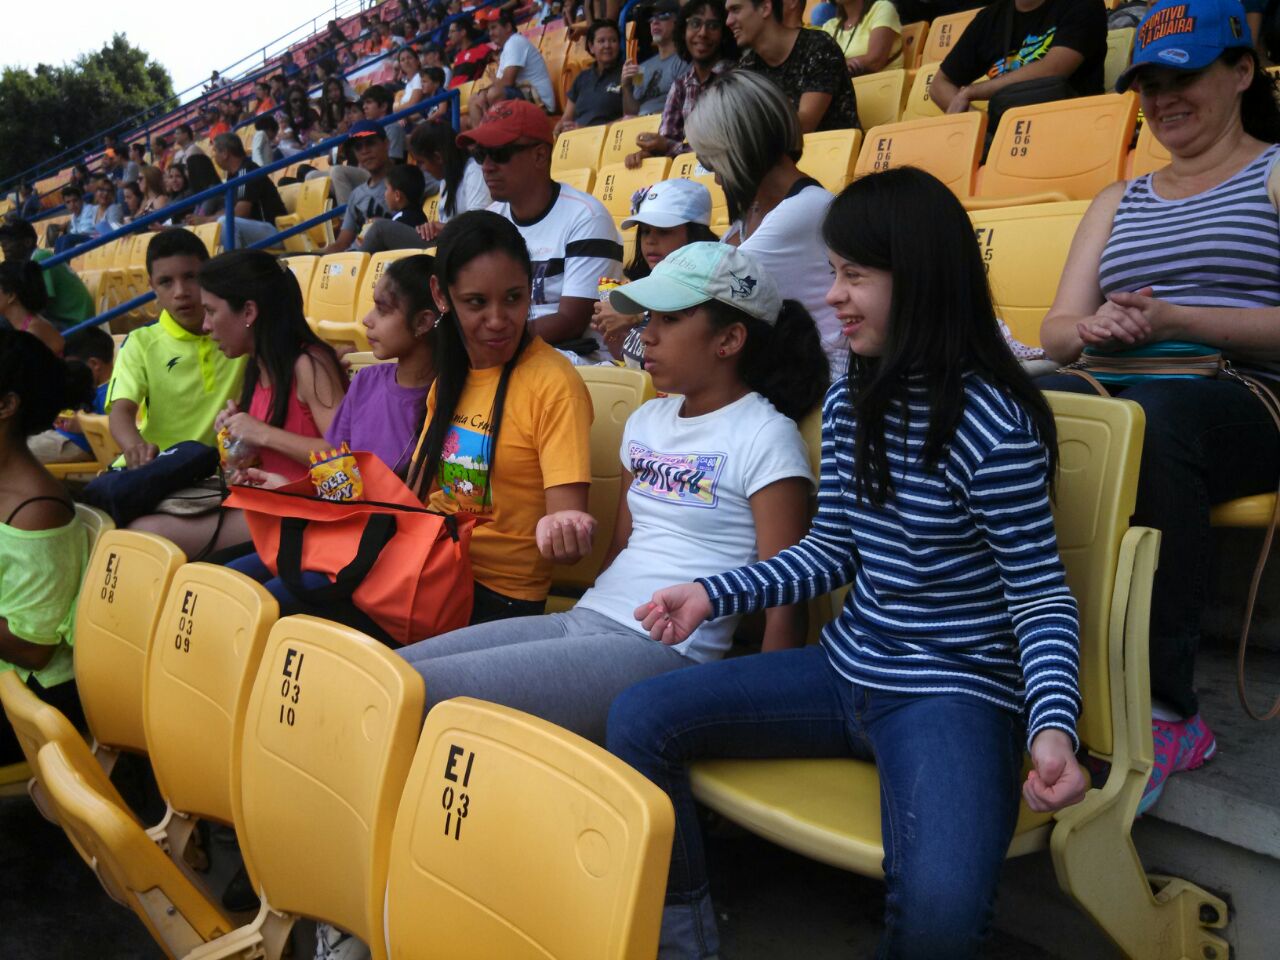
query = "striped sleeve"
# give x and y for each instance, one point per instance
(1008, 498)
(824, 560)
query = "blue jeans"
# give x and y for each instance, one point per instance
(949, 784)
(1206, 442)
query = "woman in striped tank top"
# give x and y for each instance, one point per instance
(957, 647)
(1190, 252)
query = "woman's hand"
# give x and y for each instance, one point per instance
(1125, 320)
(610, 322)
(429, 231)
(224, 415)
(257, 477)
(1056, 780)
(675, 612)
(247, 428)
(565, 536)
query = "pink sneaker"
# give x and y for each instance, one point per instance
(1179, 745)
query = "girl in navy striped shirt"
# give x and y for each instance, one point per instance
(958, 643)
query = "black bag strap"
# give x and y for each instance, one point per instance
(377, 534)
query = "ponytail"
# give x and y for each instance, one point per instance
(783, 362)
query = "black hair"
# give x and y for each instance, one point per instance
(25, 280)
(201, 173)
(464, 238)
(138, 148)
(440, 138)
(409, 180)
(411, 279)
(281, 334)
(43, 383)
(728, 46)
(436, 75)
(175, 242)
(505, 17)
(598, 25)
(71, 190)
(378, 94)
(942, 322)
(79, 385)
(132, 187)
(268, 123)
(777, 8)
(91, 343)
(186, 128)
(16, 228)
(230, 143)
(1259, 112)
(783, 362)
(638, 268)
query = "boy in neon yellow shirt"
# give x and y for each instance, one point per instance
(170, 370)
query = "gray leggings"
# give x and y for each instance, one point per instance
(563, 667)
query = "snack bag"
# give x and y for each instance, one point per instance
(235, 454)
(336, 476)
(605, 285)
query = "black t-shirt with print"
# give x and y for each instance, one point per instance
(815, 65)
(990, 48)
(262, 195)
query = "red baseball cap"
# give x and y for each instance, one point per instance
(485, 14)
(506, 122)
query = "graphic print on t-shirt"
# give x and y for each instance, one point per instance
(688, 479)
(1033, 48)
(464, 467)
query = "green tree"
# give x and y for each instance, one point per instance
(46, 110)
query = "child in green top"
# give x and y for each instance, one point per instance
(43, 547)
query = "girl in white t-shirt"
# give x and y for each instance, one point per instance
(718, 472)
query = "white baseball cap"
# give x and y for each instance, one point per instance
(700, 272)
(670, 203)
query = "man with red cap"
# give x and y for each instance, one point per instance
(571, 237)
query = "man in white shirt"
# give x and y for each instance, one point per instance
(519, 64)
(185, 145)
(572, 239)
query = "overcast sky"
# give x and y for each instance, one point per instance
(189, 39)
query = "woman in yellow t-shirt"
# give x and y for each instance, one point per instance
(508, 421)
(868, 34)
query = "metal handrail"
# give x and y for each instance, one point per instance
(229, 190)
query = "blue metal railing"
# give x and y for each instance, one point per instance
(228, 191)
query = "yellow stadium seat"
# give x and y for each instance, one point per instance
(378, 263)
(304, 270)
(97, 430)
(616, 184)
(208, 642)
(312, 200)
(72, 470)
(1119, 53)
(946, 146)
(879, 97)
(1025, 249)
(581, 179)
(919, 104)
(620, 139)
(335, 288)
(95, 523)
(830, 157)
(685, 166)
(431, 208)
(133, 869)
(116, 615)
(1071, 148)
(830, 809)
(289, 194)
(329, 736)
(616, 392)
(360, 359)
(579, 148)
(211, 234)
(913, 36)
(93, 281)
(509, 826)
(944, 31)
(1148, 154)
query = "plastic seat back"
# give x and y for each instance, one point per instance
(336, 287)
(582, 179)
(1119, 54)
(944, 31)
(919, 104)
(329, 736)
(378, 264)
(211, 235)
(509, 827)
(620, 139)
(201, 666)
(1099, 446)
(132, 867)
(579, 148)
(829, 157)
(1025, 249)
(95, 523)
(124, 587)
(304, 271)
(1075, 147)
(616, 184)
(947, 147)
(97, 430)
(313, 200)
(1148, 155)
(879, 97)
(913, 36)
(289, 194)
(616, 393)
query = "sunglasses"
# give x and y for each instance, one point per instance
(500, 155)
